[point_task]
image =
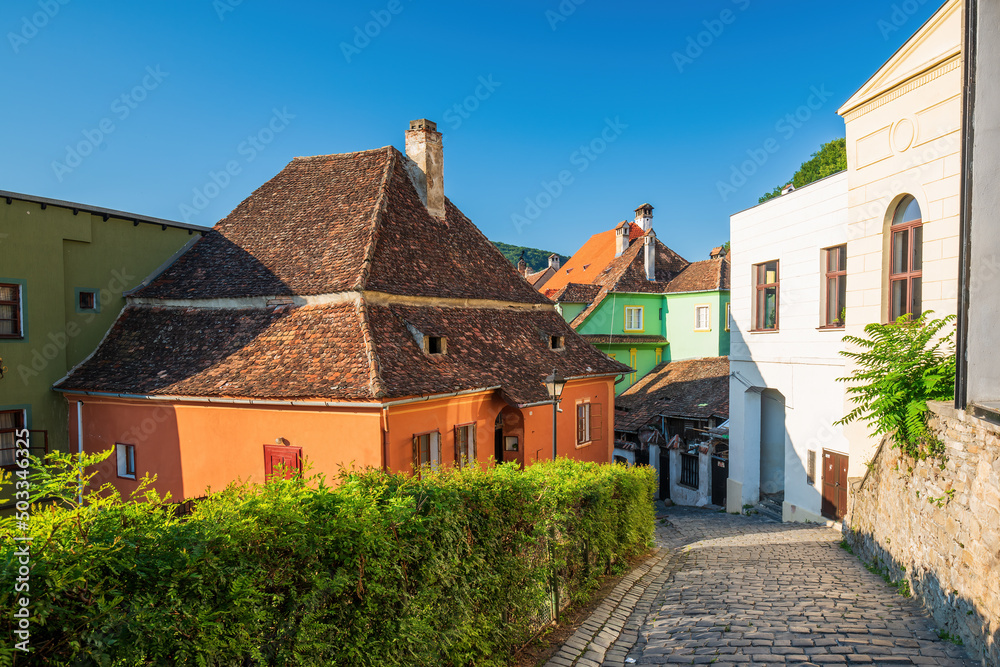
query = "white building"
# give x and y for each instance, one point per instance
(787, 311)
(896, 209)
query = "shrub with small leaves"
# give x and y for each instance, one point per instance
(455, 568)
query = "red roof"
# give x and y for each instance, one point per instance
(353, 229)
(595, 255)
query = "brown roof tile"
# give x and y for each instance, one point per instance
(276, 353)
(709, 274)
(331, 223)
(688, 388)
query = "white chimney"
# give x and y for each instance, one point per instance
(650, 255)
(621, 238)
(423, 146)
(644, 217)
(554, 262)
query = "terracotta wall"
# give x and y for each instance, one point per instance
(194, 446)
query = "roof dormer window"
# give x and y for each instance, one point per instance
(435, 344)
(557, 342)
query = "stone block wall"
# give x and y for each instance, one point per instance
(937, 525)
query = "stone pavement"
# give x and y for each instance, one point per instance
(724, 590)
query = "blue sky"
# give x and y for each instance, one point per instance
(144, 106)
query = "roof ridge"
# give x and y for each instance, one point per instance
(377, 213)
(308, 158)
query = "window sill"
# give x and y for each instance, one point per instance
(584, 444)
(128, 477)
(837, 328)
(687, 486)
(764, 331)
(703, 330)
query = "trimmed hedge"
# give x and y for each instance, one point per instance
(456, 568)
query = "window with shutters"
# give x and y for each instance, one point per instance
(465, 444)
(633, 318)
(589, 423)
(426, 451)
(10, 311)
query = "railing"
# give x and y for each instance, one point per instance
(8, 460)
(689, 470)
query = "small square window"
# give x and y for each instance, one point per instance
(557, 342)
(126, 460)
(435, 344)
(87, 301)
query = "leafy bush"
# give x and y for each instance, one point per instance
(453, 569)
(901, 366)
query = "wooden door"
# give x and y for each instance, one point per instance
(834, 485)
(283, 461)
(720, 478)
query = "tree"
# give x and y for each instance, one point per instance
(829, 159)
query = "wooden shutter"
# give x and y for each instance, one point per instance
(472, 438)
(581, 424)
(458, 446)
(416, 452)
(596, 423)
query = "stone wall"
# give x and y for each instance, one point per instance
(938, 526)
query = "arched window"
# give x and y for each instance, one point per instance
(906, 244)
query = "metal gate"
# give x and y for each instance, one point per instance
(720, 474)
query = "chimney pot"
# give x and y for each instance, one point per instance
(621, 238)
(554, 261)
(644, 217)
(425, 150)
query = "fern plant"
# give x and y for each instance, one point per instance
(901, 366)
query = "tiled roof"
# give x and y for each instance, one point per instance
(595, 254)
(577, 293)
(709, 274)
(485, 348)
(688, 388)
(277, 353)
(539, 278)
(320, 352)
(341, 222)
(628, 274)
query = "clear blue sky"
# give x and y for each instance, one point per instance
(210, 75)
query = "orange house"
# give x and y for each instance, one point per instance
(346, 314)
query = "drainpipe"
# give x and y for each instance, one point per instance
(79, 449)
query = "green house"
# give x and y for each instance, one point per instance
(642, 303)
(63, 270)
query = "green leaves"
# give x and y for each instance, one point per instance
(377, 569)
(900, 367)
(829, 159)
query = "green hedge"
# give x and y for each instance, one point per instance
(452, 569)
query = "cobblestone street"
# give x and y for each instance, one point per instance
(726, 589)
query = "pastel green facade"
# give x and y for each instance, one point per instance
(669, 316)
(54, 255)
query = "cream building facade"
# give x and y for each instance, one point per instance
(904, 140)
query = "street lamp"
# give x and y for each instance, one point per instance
(554, 384)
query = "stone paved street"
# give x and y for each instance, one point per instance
(726, 589)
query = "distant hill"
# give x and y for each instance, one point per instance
(536, 259)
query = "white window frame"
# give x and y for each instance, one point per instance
(708, 316)
(123, 452)
(631, 310)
